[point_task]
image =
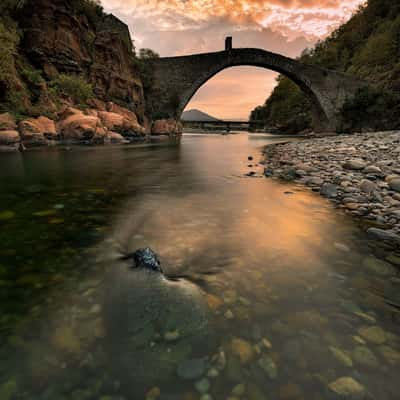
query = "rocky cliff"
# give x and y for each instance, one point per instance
(70, 36)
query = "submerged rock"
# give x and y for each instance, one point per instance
(385, 235)
(145, 258)
(348, 388)
(192, 368)
(153, 325)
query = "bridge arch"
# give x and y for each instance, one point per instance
(177, 79)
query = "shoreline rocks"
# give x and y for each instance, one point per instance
(359, 173)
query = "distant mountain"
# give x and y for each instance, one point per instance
(197, 115)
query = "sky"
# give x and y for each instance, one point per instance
(182, 27)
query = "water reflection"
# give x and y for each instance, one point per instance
(280, 297)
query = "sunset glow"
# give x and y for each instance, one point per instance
(177, 27)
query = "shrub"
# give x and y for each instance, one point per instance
(92, 9)
(72, 86)
(8, 47)
(371, 108)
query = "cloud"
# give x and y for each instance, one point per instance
(179, 27)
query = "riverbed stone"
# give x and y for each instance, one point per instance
(348, 388)
(341, 356)
(243, 349)
(269, 366)
(363, 356)
(203, 385)
(329, 190)
(385, 235)
(378, 267)
(367, 186)
(355, 164)
(395, 184)
(192, 369)
(373, 334)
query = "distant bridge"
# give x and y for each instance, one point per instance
(226, 126)
(176, 80)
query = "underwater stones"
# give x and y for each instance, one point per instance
(146, 258)
(239, 390)
(213, 373)
(229, 314)
(153, 393)
(242, 349)
(172, 336)
(65, 339)
(6, 215)
(373, 334)
(230, 296)
(266, 343)
(8, 389)
(269, 366)
(342, 247)
(341, 356)
(364, 356)
(203, 385)
(385, 235)
(348, 388)
(391, 356)
(213, 302)
(290, 391)
(377, 266)
(192, 369)
(220, 360)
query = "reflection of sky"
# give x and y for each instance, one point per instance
(177, 27)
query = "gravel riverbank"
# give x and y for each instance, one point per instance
(359, 173)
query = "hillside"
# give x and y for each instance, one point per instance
(367, 46)
(197, 115)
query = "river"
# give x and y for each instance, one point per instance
(275, 294)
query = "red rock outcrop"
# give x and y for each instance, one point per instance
(36, 131)
(59, 38)
(9, 136)
(74, 125)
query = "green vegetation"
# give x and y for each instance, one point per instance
(9, 39)
(367, 46)
(91, 8)
(143, 64)
(286, 110)
(73, 87)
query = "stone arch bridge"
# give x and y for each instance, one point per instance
(176, 79)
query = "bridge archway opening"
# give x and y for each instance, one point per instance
(192, 99)
(231, 94)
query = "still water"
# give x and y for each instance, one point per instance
(270, 293)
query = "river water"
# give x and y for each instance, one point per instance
(271, 292)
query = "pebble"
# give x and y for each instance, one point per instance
(341, 356)
(359, 172)
(172, 336)
(348, 388)
(373, 334)
(192, 369)
(203, 386)
(242, 349)
(269, 366)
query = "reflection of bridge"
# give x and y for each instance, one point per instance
(176, 80)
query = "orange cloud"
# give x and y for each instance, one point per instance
(178, 27)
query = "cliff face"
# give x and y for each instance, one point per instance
(59, 37)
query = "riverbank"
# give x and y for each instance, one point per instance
(108, 123)
(359, 173)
